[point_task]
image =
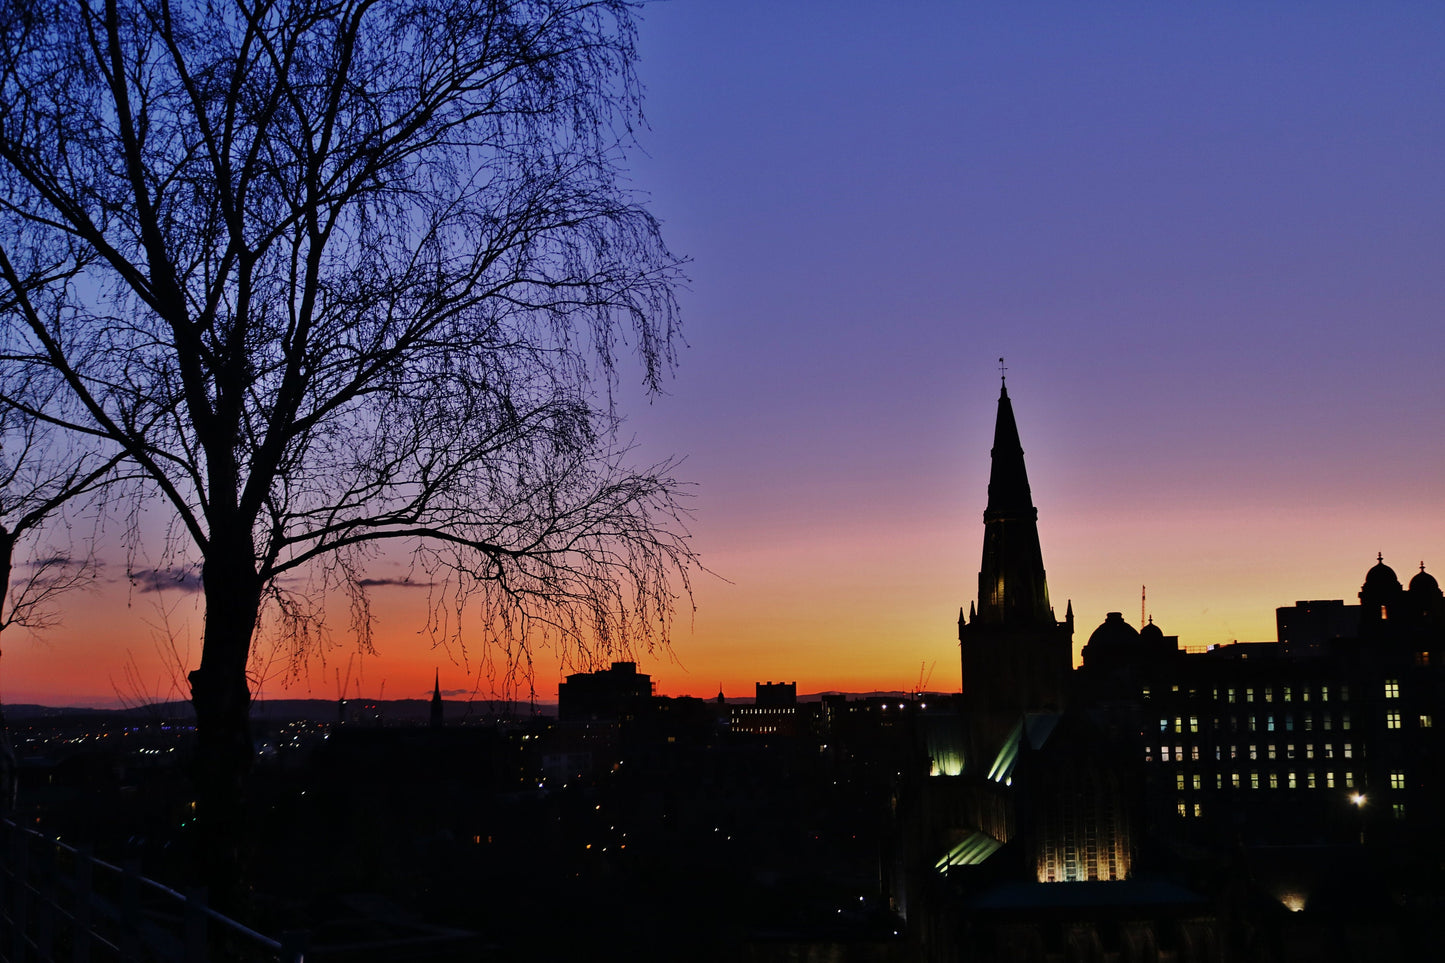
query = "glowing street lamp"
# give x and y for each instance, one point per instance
(1357, 799)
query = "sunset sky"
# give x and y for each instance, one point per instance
(1208, 238)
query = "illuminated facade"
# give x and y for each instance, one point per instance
(1305, 740)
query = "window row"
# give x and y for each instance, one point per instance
(1255, 750)
(1285, 722)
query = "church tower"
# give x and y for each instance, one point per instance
(436, 701)
(1016, 657)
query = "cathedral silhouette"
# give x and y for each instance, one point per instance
(1255, 801)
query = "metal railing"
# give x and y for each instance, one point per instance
(59, 903)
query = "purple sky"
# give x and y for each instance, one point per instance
(1207, 237)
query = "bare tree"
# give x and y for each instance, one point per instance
(338, 274)
(40, 474)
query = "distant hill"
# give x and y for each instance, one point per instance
(406, 711)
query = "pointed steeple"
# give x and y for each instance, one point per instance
(436, 701)
(1012, 589)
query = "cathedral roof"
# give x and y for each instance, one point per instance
(1115, 632)
(1381, 577)
(1424, 583)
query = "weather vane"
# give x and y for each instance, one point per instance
(1002, 371)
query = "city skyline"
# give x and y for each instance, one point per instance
(1207, 243)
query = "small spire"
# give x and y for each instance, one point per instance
(1002, 373)
(436, 701)
(1380, 557)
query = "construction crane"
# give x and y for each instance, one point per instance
(925, 673)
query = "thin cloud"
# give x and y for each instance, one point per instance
(399, 582)
(52, 561)
(169, 579)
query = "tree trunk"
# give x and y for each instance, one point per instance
(222, 700)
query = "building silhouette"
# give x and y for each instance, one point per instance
(1253, 801)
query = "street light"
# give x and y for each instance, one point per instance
(1357, 799)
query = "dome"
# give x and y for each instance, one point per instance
(1424, 583)
(1151, 632)
(1115, 632)
(1381, 577)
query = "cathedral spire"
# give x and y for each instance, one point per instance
(1011, 585)
(436, 701)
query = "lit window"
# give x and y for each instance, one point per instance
(1397, 779)
(1392, 720)
(1231, 695)
(1426, 720)
(1197, 781)
(1248, 695)
(1179, 780)
(1422, 658)
(1234, 780)
(1309, 718)
(1163, 725)
(1144, 692)
(1253, 751)
(1329, 750)
(1253, 724)
(1330, 779)
(1164, 753)
(1179, 753)
(1309, 750)
(1344, 720)
(1219, 780)
(1271, 750)
(1194, 753)
(1324, 693)
(1286, 693)
(1178, 723)
(1274, 780)
(1349, 780)
(1254, 780)
(1310, 779)
(1218, 753)
(1198, 810)
(1234, 752)
(1268, 694)
(1290, 781)
(1392, 688)
(1193, 723)
(1269, 723)
(1304, 693)
(1349, 750)
(1183, 809)
(1397, 810)
(1289, 751)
